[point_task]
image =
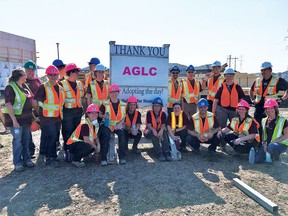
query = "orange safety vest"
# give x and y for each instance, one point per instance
(212, 88)
(114, 120)
(75, 137)
(270, 91)
(244, 127)
(98, 95)
(227, 98)
(128, 122)
(156, 125)
(88, 79)
(208, 124)
(173, 96)
(53, 104)
(73, 100)
(173, 120)
(190, 93)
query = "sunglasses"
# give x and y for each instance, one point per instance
(175, 72)
(190, 71)
(74, 71)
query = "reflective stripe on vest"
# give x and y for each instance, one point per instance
(190, 93)
(172, 96)
(19, 101)
(227, 98)
(53, 105)
(75, 137)
(173, 120)
(277, 130)
(212, 88)
(198, 124)
(73, 100)
(270, 91)
(98, 95)
(128, 122)
(114, 120)
(88, 79)
(156, 125)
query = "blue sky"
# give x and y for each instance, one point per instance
(199, 32)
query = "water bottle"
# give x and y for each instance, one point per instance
(252, 156)
(106, 120)
(16, 130)
(134, 129)
(268, 157)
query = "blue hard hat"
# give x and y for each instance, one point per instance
(265, 65)
(175, 68)
(202, 102)
(94, 61)
(190, 68)
(216, 64)
(157, 100)
(58, 63)
(229, 71)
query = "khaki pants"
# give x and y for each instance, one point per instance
(189, 109)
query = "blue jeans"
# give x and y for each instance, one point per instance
(20, 144)
(275, 149)
(49, 134)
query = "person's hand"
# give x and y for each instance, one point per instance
(106, 116)
(209, 135)
(237, 141)
(253, 101)
(160, 134)
(16, 124)
(134, 132)
(119, 126)
(155, 133)
(219, 134)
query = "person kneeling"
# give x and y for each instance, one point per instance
(83, 140)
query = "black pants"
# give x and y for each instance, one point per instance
(182, 134)
(104, 135)
(259, 114)
(164, 148)
(210, 105)
(243, 149)
(80, 150)
(136, 139)
(194, 142)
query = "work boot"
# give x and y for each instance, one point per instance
(135, 150)
(161, 157)
(168, 156)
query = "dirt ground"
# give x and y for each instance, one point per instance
(196, 185)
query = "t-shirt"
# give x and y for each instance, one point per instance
(270, 126)
(33, 84)
(240, 91)
(131, 116)
(252, 130)
(84, 131)
(190, 126)
(114, 105)
(149, 118)
(41, 96)
(185, 120)
(26, 117)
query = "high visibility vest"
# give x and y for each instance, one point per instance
(128, 122)
(212, 88)
(208, 124)
(156, 125)
(227, 98)
(270, 91)
(75, 137)
(244, 127)
(190, 93)
(173, 96)
(88, 79)
(53, 105)
(98, 95)
(20, 99)
(277, 130)
(114, 120)
(73, 100)
(173, 120)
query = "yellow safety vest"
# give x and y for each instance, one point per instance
(190, 93)
(212, 88)
(270, 91)
(173, 97)
(73, 100)
(115, 119)
(173, 120)
(98, 95)
(198, 124)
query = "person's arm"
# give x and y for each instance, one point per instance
(87, 140)
(88, 99)
(243, 139)
(222, 132)
(214, 106)
(160, 133)
(282, 138)
(251, 93)
(12, 115)
(170, 131)
(194, 133)
(149, 126)
(214, 131)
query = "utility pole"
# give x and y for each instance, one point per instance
(229, 60)
(235, 59)
(57, 49)
(241, 60)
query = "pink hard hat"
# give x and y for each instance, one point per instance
(132, 99)
(71, 66)
(52, 70)
(113, 88)
(270, 103)
(243, 103)
(92, 108)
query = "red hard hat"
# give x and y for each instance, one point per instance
(270, 103)
(243, 103)
(52, 70)
(132, 99)
(113, 88)
(92, 108)
(34, 126)
(72, 66)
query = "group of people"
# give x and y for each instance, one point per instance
(89, 114)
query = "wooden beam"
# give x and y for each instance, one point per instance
(259, 198)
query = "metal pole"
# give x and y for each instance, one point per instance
(57, 49)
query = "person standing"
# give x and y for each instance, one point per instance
(73, 109)
(174, 88)
(190, 92)
(18, 117)
(33, 83)
(61, 68)
(49, 100)
(90, 75)
(212, 83)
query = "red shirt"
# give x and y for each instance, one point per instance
(33, 84)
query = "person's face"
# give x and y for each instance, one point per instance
(92, 116)
(132, 106)
(242, 111)
(99, 75)
(177, 109)
(190, 74)
(53, 77)
(74, 74)
(229, 77)
(156, 107)
(216, 70)
(270, 111)
(174, 74)
(23, 78)
(266, 73)
(30, 73)
(92, 67)
(114, 95)
(203, 110)
(62, 70)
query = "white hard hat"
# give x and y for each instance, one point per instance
(265, 65)
(229, 71)
(216, 64)
(99, 67)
